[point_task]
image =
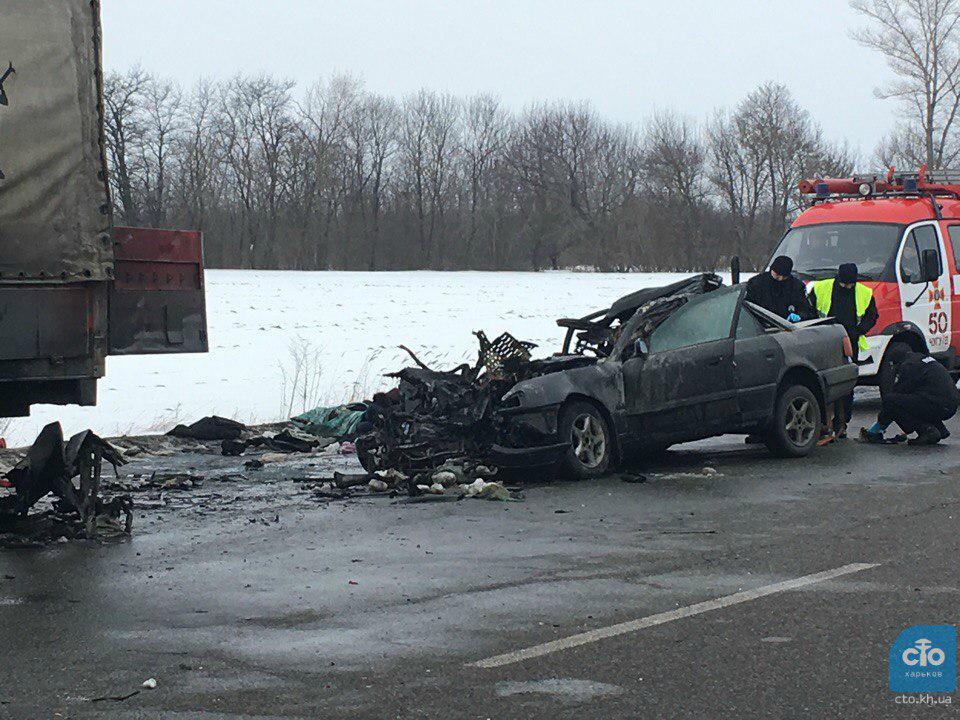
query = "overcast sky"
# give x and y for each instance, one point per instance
(629, 57)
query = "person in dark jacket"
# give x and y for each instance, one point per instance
(851, 304)
(920, 397)
(780, 292)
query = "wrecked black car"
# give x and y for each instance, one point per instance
(661, 366)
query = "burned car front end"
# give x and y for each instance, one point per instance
(506, 410)
(527, 416)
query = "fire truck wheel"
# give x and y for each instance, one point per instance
(795, 426)
(584, 427)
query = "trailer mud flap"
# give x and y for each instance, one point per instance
(157, 302)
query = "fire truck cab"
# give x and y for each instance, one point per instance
(903, 232)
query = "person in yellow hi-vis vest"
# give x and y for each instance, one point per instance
(851, 303)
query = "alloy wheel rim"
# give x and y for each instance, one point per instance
(589, 440)
(799, 422)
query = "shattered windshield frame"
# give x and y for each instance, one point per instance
(637, 329)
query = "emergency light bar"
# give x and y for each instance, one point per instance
(934, 182)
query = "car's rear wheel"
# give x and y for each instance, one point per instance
(795, 426)
(583, 426)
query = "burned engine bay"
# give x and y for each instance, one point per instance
(434, 416)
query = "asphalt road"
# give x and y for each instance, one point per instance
(263, 603)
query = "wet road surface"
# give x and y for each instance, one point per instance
(251, 599)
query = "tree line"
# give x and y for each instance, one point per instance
(334, 176)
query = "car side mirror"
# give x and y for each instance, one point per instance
(930, 265)
(640, 348)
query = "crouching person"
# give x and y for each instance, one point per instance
(920, 397)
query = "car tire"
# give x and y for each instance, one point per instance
(583, 426)
(795, 426)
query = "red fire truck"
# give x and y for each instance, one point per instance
(903, 232)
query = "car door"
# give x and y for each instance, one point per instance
(925, 304)
(757, 359)
(683, 387)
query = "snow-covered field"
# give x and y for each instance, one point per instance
(354, 321)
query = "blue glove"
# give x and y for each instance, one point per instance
(793, 317)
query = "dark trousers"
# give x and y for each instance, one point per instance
(843, 411)
(843, 408)
(912, 412)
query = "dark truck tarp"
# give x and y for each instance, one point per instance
(52, 226)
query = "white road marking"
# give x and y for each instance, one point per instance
(629, 626)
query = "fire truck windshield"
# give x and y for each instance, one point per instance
(818, 250)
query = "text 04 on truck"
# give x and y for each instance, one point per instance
(74, 288)
(903, 232)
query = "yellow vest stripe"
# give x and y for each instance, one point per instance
(823, 291)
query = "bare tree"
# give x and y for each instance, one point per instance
(161, 103)
(921, 41)
(338, 177)
(198, 169)
(674, 160)
(124, 130)
(323, 115)
(428, 141)
(739, 173)
(485, 136)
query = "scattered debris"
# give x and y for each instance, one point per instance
(688, 532)
(210, 428)
(150, 683)
(485, 490)
(347, 480)
(377, 486)
(115, 698)
(50, 467)
(288, 440)
(703, 473)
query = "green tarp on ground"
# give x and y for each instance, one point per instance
(337, 421)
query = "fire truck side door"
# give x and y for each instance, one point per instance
(954, 233)
(926, 305)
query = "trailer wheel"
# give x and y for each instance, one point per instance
(795, 426)
(591, 444)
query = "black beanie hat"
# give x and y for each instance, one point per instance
(847, 273)
(782, 265)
